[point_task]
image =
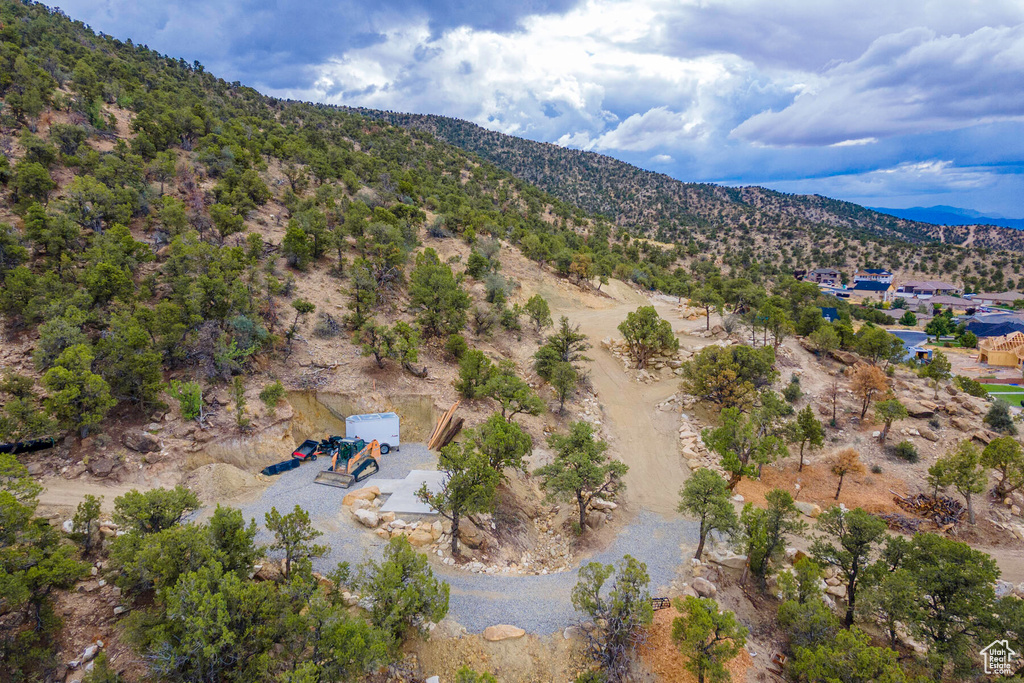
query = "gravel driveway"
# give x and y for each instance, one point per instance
(539, 604)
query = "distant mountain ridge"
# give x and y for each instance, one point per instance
(671, 210)
(951, 215)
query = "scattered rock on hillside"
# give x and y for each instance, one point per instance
(961, 424)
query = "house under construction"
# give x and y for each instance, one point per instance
(1006, 351)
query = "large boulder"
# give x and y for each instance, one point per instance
(984, 437)
(140, 441)
(807, 508)
(471, 536)
(269, 571)
(367, 518)
(102, 467)
(1003, 588)
(961, 424)
(728, 559)
(918, 410)
(420, 538)
(595, 520)
(368, 494)
(845, 357)
(704, 588)
(836, 591)
(928, 434)
(503, 632)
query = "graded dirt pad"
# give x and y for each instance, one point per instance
(818, 485)
(222, 483)
(530, 659)
(663, 658)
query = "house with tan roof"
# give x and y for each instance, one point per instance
(922, 288)
(996, 298)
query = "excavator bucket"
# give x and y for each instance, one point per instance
(358, 467)
(339, 479)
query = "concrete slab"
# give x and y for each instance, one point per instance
(402, 492)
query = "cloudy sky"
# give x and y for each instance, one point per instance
(881, 102)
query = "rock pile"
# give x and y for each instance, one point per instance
(552, 553)
(691, 446)
(660, 366)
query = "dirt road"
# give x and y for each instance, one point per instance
(640, 435)
(65, 495)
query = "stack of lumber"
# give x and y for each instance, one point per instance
(445, 430)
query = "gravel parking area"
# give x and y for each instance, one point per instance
(539, 604)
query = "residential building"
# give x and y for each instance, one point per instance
(955, 302)
(994, 324)
(925, 288)
(996, 298)
(873, 275)
(825, 276)
(1006, 351)
(830, 314)
(876, 291)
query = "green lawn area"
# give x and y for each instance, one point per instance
(1010, 394)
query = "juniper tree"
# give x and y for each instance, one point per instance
(294, 534)
(621, 612)
(848, 541)
(707, 636)
(469, 486)
(580, 469)
(647, 334)
(706, 497)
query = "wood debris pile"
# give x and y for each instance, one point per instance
(944, 511)
(898, 522)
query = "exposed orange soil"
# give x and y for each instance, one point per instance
(818, 485)
(663, 658)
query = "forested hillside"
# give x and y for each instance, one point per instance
(663, 207)
(138, 190)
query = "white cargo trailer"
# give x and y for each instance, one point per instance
(382, 427)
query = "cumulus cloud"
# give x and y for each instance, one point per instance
(269, 43)
(909, 82)
(659, 127)
(828, 96)
(589, 78)
(918, 178)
